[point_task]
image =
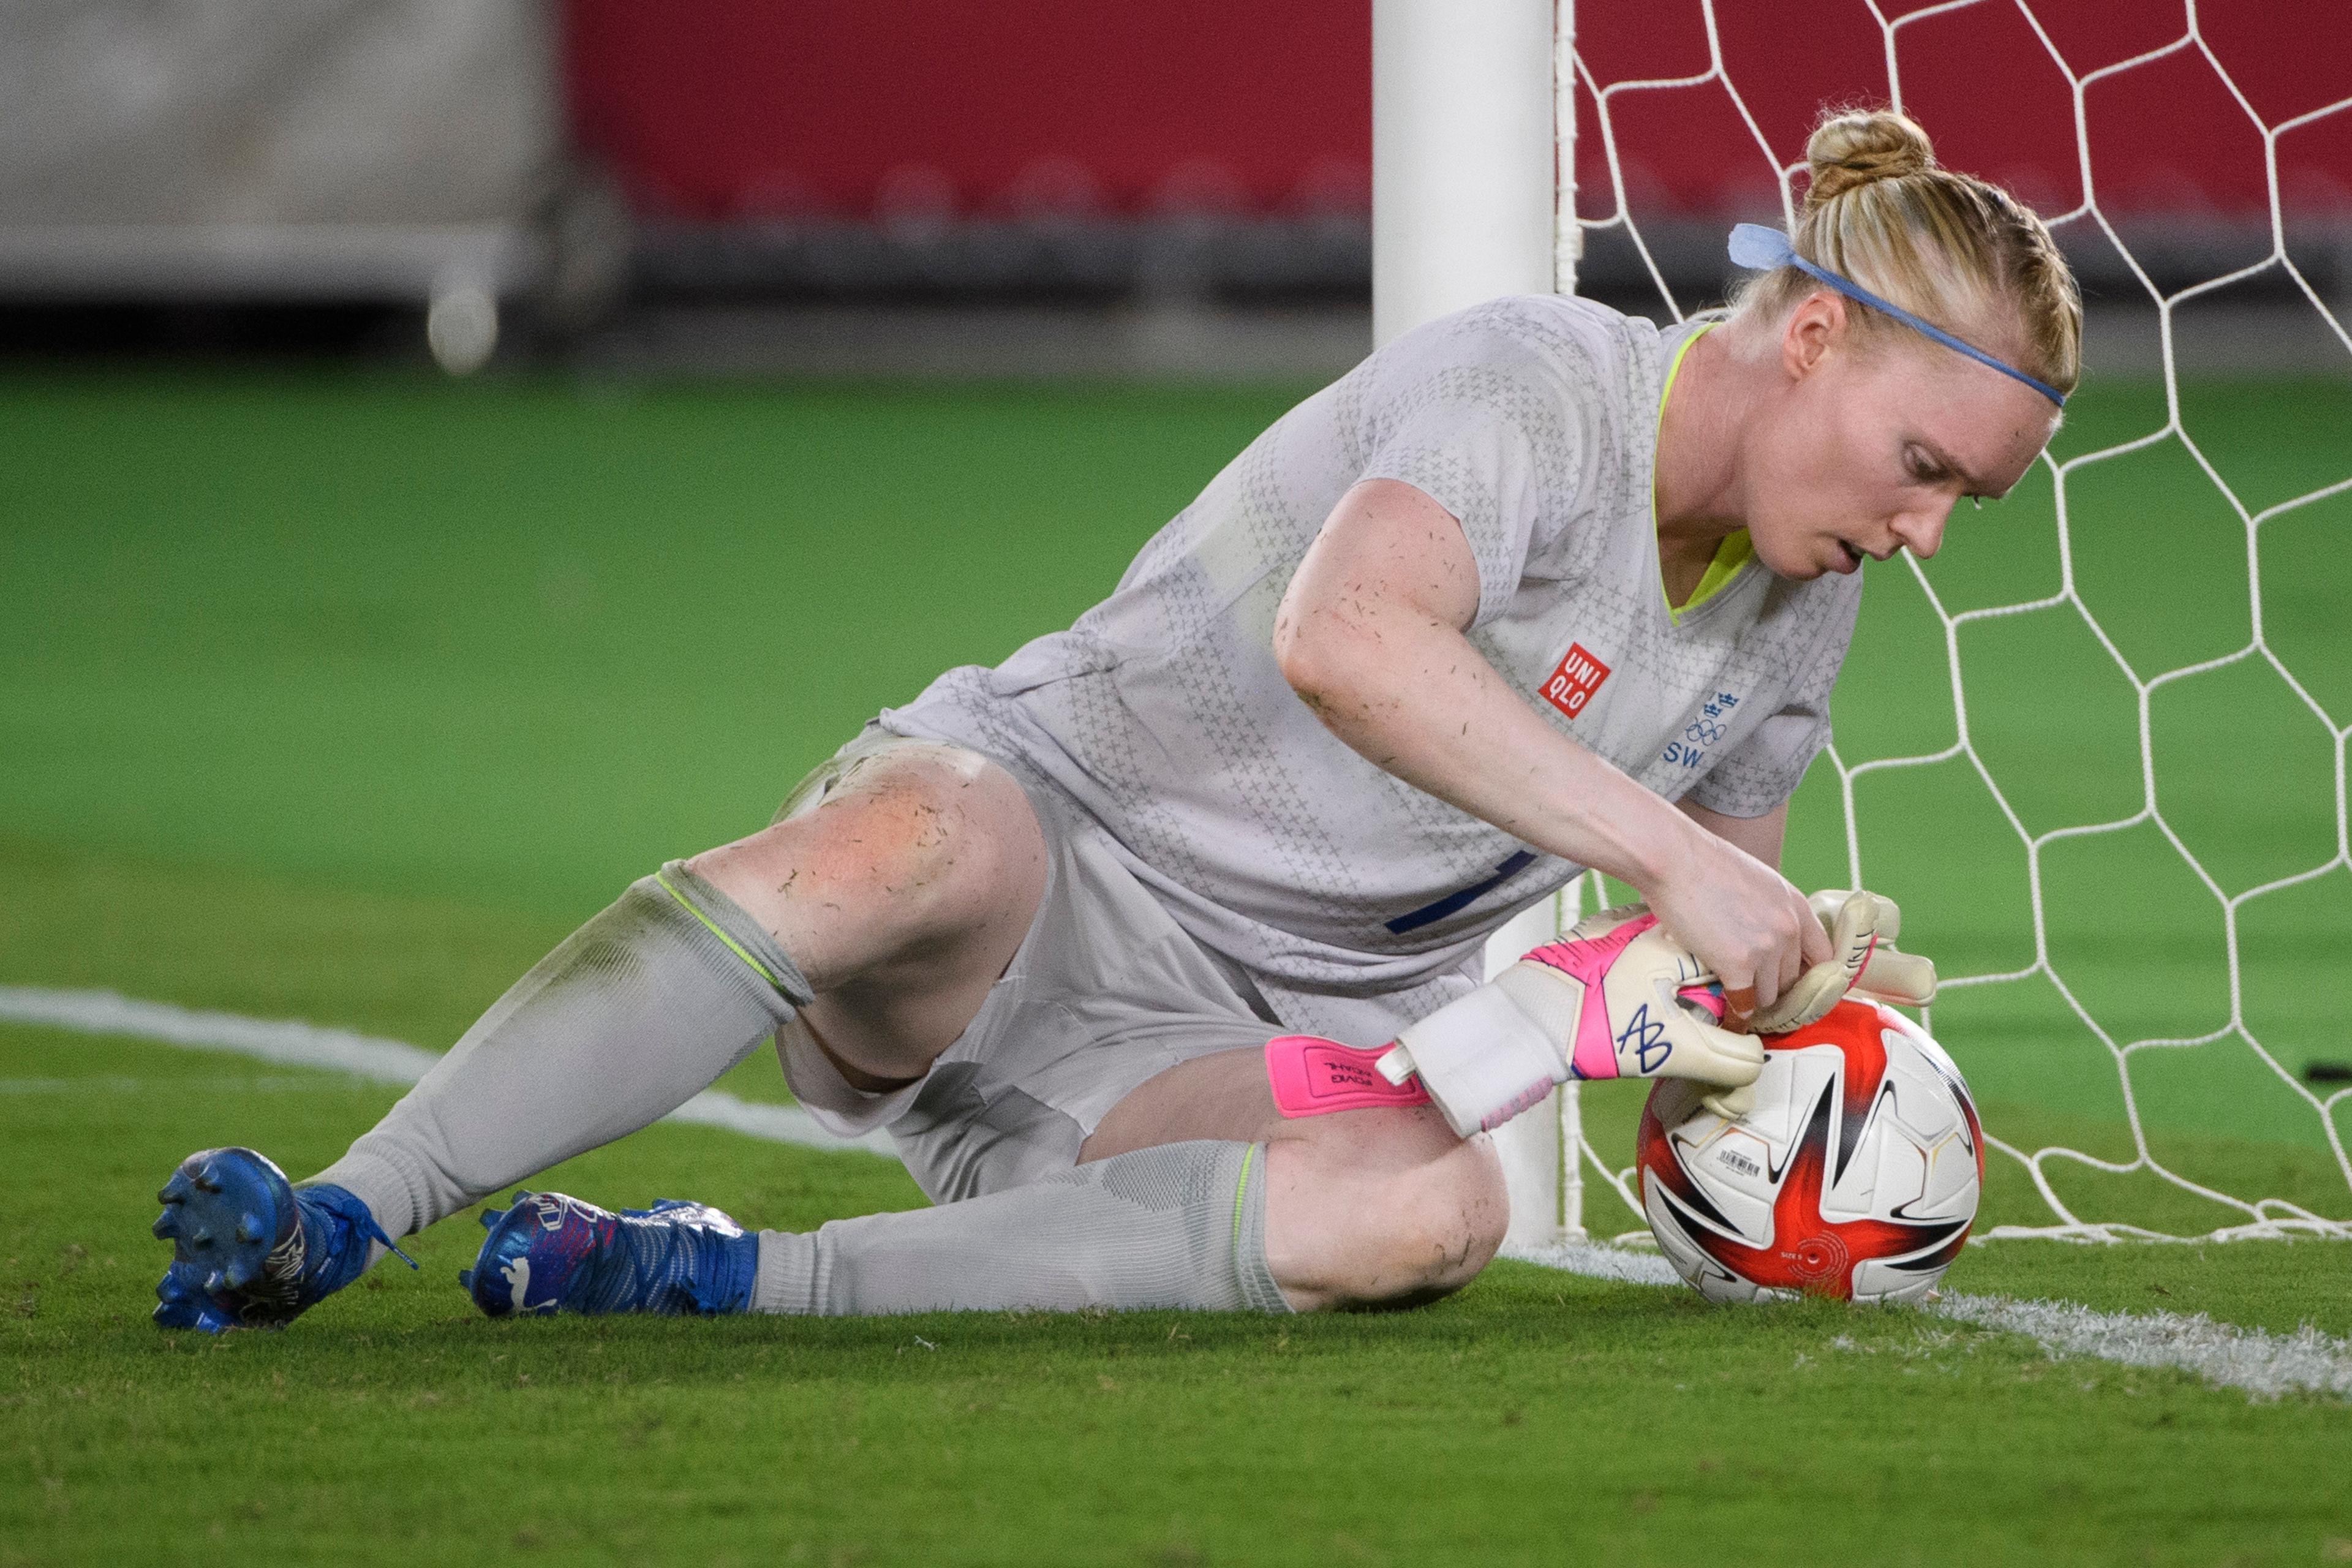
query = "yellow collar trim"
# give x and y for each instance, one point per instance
(1730, 556)
(1735, 549)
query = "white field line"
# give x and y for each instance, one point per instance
(292, 1043)
(1620, 1264)
(122, 1083)
(2265, 1365)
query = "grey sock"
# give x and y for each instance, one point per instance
(632, 1015)
(1180, 1226)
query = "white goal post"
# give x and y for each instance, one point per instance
(1473, 198)
(1473, 169)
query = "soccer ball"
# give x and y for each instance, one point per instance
(1856, 1176)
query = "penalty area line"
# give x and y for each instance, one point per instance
(292, 1043)
(2265, 1365)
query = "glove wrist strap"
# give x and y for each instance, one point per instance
(1486, 1057)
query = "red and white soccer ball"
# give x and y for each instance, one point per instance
(1856, 1176)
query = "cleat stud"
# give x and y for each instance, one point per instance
(175, 1190)
(214, 1282)
(241, 1273)
(207, 1178)
(465, 1279)
(491, 1218)
(248, 1227)
(166, 1225)
(203, 1237)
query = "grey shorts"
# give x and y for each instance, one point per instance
(1105, 991)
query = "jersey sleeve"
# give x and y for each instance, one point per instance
(1766, 768)
(1470, 412)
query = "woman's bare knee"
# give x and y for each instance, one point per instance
(931, 852)
(1390, 1211)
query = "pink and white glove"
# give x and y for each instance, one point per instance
(1862, 927)
(1616, 997)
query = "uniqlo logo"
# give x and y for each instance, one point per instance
(1571, 686)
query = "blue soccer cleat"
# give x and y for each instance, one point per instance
(549, 1253)
(250, 1251)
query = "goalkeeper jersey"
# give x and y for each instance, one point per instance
(1352, 902)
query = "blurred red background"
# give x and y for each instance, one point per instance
(731, 110)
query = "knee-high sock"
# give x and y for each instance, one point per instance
(1180, 1226)
(634, 1014)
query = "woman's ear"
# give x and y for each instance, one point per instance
(1815, 329)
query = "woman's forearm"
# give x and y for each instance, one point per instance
(1371, 636)
(1410, 693)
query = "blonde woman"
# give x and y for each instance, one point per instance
(1535, 588)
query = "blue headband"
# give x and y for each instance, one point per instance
(1760, 249)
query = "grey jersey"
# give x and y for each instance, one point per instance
(1353, 901)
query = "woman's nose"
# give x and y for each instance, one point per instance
(1922, 532)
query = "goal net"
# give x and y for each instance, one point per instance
(2095, 747)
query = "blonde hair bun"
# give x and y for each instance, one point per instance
(1863, 145)
(1944, 246)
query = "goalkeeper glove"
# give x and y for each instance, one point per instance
(1616, 997)
(1864, 963)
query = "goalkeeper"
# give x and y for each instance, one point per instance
(1535, 588)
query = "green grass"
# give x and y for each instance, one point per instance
(344, 698)
(1534, 1418)
(516, 645)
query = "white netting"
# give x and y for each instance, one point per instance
(2252, 1214)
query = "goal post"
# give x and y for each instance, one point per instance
(1472, 136)
(1463, 156)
